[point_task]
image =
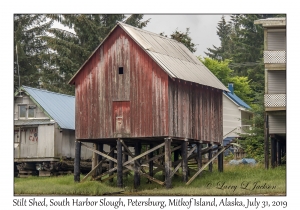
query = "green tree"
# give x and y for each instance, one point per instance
(70, 50)
(222, 71)
(29, 48)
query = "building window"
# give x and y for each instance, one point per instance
(31, 111)
(121, 70)
(22, 112)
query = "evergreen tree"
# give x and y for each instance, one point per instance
(70, 50)
(29, 48)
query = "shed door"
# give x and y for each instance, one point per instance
(121, 118)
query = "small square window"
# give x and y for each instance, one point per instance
(121, 70)
(22, 113)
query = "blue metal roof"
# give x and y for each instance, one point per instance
(59, 107)
(235, 98)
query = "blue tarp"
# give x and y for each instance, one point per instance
(250, 161)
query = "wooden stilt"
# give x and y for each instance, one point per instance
(220, 160)
(119, 164)
(168, 163)
(184, 161)
(100, 149)
(94, 160)
(279, 152)
(151, 162)
(77, 161)
(137, 177)
(210, 166)
(111, 163)
(199, 156)
(266, 142)
(273, 152)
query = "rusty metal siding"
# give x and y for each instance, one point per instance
(195, 111)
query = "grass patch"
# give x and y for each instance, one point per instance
(235, 180)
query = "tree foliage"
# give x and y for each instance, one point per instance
(222, 71)
(68, 51)
(29, 48)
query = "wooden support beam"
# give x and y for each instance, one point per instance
(205, 165)
(184, 160)
(96, 167)
(179, 164)
(160, 155)
(199, 155)
(279, 148)
(77, 161)
(100, 168)
(94, 159)
(151, 162)
(273, 152)
(220, 161)
(119, 164)
(210, 166)
(114, 175)
(168, 163)
(111, 163)
(266, 141)
(137, 178)
(100, 153)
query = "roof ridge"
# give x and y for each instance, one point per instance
(43, 90)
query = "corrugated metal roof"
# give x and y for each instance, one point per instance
(173, 57)
(164, 52)
(59, 107)
(237, 100)
(33, 122)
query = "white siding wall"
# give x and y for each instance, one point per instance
(46, 141)
(231, 117)
(276, 82)
(276, 39)
(26, 100)
(277, 124)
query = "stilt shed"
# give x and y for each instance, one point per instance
(139, 86)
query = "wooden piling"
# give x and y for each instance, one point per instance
(273, 152)
(266, 141)
(199, 155)
(151, 162)
(279, 148)
(111, 163)
(100, 169)
(77, 161)
(220, 160)
(168, 163)
(119, 164)
(210, 166)
(184, 160)
(137, 178)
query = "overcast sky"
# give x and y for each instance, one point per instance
(203, 28)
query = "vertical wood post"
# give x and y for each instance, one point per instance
(184, 160)
(77, 161)
(210, 166)
(137, 178)
(176, 158)
(266, 133)
(125, 160)
(273, 152)
(111, 163)
(94, 160)
(119, 164)
(279, 152)
(100, 149)
(199, 156)
(168, 163)
(220, 161)
(151, 162)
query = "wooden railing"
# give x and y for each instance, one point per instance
(275, 56)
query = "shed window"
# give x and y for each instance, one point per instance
(121, 70)
(22, 112)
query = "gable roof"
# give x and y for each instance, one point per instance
(59, 107)
(172, 56)
(237, 100)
